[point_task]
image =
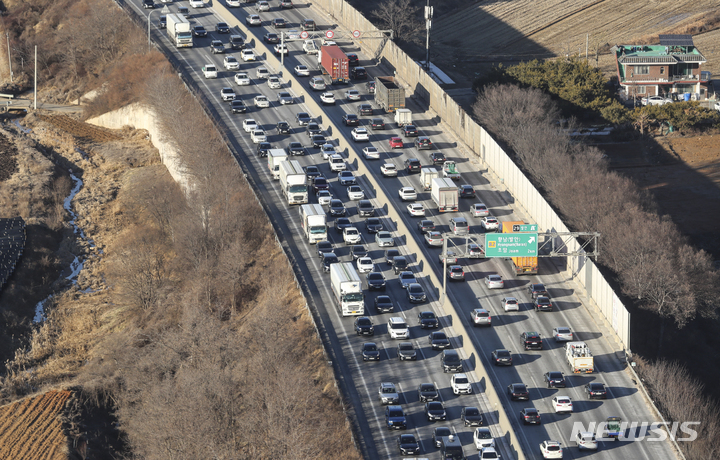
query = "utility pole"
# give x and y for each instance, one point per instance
(7, 35)
(587, 40)
(428, 26)
(35, 77)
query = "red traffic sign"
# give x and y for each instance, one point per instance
(303, 34)
(356, 33)
(329, 34)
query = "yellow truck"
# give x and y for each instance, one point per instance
(521, 265)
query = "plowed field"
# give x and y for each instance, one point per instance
(31, 429)
(79, 129)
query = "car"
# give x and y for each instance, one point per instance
(438, 340)
(337, 208)
(406, 351)
(262, 5)
(542, 303)
(217, 47)
(258, 136)
(231, 63)
(222, 28)
(350, 119)
(249, 125)
(388, 170)
(586, 440)
(450, 361)
(365, 265)
(148, 4)
(296, 149)
(370, 352)
(364, 326)
(232, 3)
(408, 445)
(360, 135)
(459, 226)
(471, 416)
(376, 281)
(373, 225)
(530, 415)
(353, 60)
(327, 150)
(355, 193)
(399, 264)
(261, 101)
(562, 404)
(312, 129)
(475, 251)
(279, 23)
(197, 4)
(281, 48)
(562, 334)
(531, 340)
(439, 433)
(537, 289)
(413, 165)
(162, 23)
(595, 390)
(518, 392)
(365, 208)
(317, 83)
(501, 357)
(351, 235)
(328, 259)
(301, 70)
(390, 255)
(293, 34)
(262, 73)
(324, 197)
(184, 11)
(406, 278)
(307, 24)
(199, 31)
(551, 449)
(409, 131)
(352, 95)
(416, 209)
(396, 143)
(377, 124)
(383, 303)
(237, 42)
(371, 153)
(227, 94)
(449, 258)
(460, 384)
(346, 178)
(395, 418)
(489, 223)
(434, 411)
(479, 209)
(423, 143)
(494, 282)
(263, 148)
(655, 100)
(318, 140)
(426, 225)
(467, 191)
(437, 158)
(341, 223)
(285, 98)
(398, 328)
(416, 293)
(286, 4)
(407, 194)
(303, 118)
(370, 87)
(481, 317)
(428, 319)
(427, 392)
(510, 304)
(238, 106)
(271, 37)
(327, 98)
(455, 273)
(358, 251)
(320, 183)
(241, 79)
(388, 394)
(434, 239)
(482, 438)
(554, 379)
(365, 109)
(488, 453)
(384, 238)
(247, 55)
(312, 172)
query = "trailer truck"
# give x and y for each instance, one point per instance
(314, 222)
(347, 289)
(334, 63)
(178, 28)
(389, 94)
(445, 194)
(275, 157)
(579, 357)
(426, 177)
(293, 182)
(521, 265)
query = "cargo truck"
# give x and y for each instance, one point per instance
(521, 265)
(313, 222)
(178, 28)
(426, 177)
(334, 63)
(388, 94)
(275, 157)
(403, 117)
(445, 195)
(450, 170)
(579, 357)
(347, 289)
(293, 182)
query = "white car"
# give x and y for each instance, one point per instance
(371, 153)
(562, 334)
(262, 72)
(494, 282)
(274, 83)
(388, 170)
(285, 98)
(232, 3)
(301, 71)
(258, 136)
(510, 304)
(247, 55)
(359, 134)
(242, 79)
(231, 63)
(460, 384)
(209, 71)
(253, 20)
(655, 100)
(337, 163)
(327, 98)
(488, 453)
(352, 95)
(281, 48)
(407, 194)
(351, 235)
(293, 34)
(551, 449)
(479, 210)
(586, 441)
(324, 197)
(227, 94)
(327, 150)
(262, 5)
(354, 193)
(416, 209)
(483, 438)
(197, 4)
(562, 404)
(365, 265)
(249, 125)
(261, 101)
(326, 42)
(489, 223)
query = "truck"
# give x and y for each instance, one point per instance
(426, 177)
(613, 428)
(314, 222)
(275, 157)
(403, 117)
(347, 289)
(450, 170)
(293, 182)
(521, 265)
(310, 47)
(334, 63)
(178, 28)
(389, 94)
(445, 195)
(579, 357)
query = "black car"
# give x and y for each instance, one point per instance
(373, 225)
(471, 416)
(531, 340)
(390, 254)
(423, 143)
(406, 350)
(518, 391)
(395, 418)
(217, 47)
(307, 24)
(323, 247)
(434, 410)
(370, 87)
(383, 303)
(365, 109)
(530, 415)
(303, 118)
(413, 165)
(199, 31)
(542, 303)
(426, 225)
(377, 123)
(222, 28)
(238, 106)
(595, 390)
(279, 23)
(357, 251)
(318, 141)
(312, 129)
(370, 352)
(376, 280)
(408, 445)
(409, 131)
(501, 357)
(283, 127)
(350, 119)
(353, 60)
(438, 340)
(537, 289)
(364, 326)
(466, 191)
(427, 392)
(439, 433)
(399, 264)
(163, 22)
(437, 158)
(341, 223)
(365, 208)
(319, 183)
(450, 361)
(329, 258)
(237, 42)
(358, 73)
(312, 172)
(271, 38)
(427, 319)
(148, 4)
(296, 148)
(337, 208)
(263, 148)
(554, 379)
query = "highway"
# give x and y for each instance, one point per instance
(361, 380)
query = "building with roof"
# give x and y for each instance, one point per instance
(671, 69)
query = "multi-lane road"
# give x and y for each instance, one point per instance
(361, 380)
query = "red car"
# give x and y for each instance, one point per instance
(396, 143)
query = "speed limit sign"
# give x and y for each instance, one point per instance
(329, 34)
(303, 34)
(356, 33)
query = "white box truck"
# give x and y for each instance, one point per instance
(426, 177)
(402, 116)
(293, 182)
(445, 195)
(314, 222)
(579, 357)
(275, 157)
(347, 289)
(178, 28)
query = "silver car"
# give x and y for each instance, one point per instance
(481, 317)
(285, 98)
(563, 334)
(479, 210)
(384, 239)
(494, 282)
(388, 394)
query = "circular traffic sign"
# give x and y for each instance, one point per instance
(356, 33)
(303, 34)
(329, 34)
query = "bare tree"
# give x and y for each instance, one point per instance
(401, 17)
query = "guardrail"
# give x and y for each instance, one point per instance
(9, 96)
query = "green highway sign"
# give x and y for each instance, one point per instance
(511, 245)
(533, 228)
